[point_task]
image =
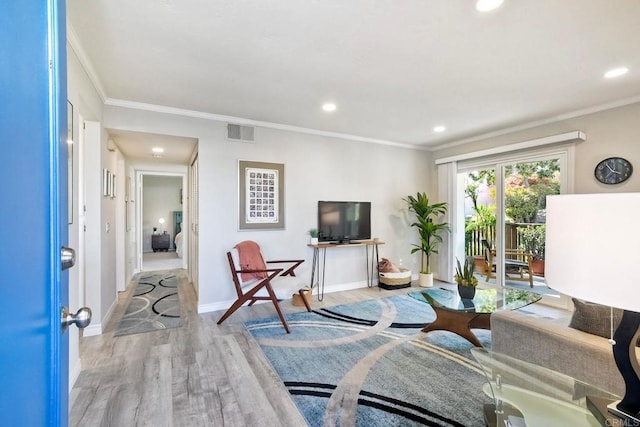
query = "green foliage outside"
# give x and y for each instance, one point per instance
(527, 186)
(532, 240)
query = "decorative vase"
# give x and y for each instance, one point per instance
(426, 280)
(466, 292)
(314, 240)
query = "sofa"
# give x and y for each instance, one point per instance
(547, 340)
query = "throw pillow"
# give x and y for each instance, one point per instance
(594, 318)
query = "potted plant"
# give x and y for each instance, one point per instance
(428, 230)
(532, 241)
(313, 232)
(465, 279)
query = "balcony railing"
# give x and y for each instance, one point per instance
(473, 239)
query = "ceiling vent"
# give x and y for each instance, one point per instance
(240, 133)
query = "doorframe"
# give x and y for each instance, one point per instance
(454, 195)
(139, 173)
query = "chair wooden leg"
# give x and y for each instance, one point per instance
(236, 305)
(304, 300)
(277, 306)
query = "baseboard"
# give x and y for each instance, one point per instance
(96, 329)
(223, 305)
(74, 373)
(215, 306)
(92, 330)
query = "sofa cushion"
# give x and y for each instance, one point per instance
(594, 318)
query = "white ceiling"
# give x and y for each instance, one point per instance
(138, 146)
(395, 69)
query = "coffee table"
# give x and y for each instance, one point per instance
(459, 316)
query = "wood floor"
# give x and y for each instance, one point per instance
(199, 374)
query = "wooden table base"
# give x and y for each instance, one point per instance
(459, 322)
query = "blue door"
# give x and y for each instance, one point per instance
(33, 213)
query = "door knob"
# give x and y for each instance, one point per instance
(67, 257)
(81, 319)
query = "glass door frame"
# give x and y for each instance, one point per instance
(565, 156)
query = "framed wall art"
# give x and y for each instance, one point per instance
(261, 195)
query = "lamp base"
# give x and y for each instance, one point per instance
(602, 409)
(630, 420)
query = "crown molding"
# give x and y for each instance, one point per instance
(242, 121)
(529, 125)
(575, 135)
(85, 62)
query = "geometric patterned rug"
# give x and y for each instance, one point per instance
(368, 364)
(154, 305)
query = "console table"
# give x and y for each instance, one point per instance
(320, 257)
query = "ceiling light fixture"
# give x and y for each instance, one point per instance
(329, 107)
(439, 129)
(616, 72)
(157, 150)
(488, 5)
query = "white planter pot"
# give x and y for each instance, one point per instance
(314, 241)
(426, 280)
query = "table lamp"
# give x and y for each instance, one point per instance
(593, 253)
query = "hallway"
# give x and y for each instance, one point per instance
(152, 261)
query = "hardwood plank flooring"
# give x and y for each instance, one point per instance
(199, 374)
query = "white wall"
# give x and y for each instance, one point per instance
(316, 168)
(86, 103)
(161, 199)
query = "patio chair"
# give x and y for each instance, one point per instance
(255, 282)
(517, 264)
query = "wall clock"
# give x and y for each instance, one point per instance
(613, 170)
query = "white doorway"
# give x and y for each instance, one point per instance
(161, 221)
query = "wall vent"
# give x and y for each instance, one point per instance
(240, 133)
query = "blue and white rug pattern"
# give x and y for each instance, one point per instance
(368, 364)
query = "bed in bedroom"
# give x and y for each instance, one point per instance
(178, 242)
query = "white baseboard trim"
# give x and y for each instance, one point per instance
(214, 306)
(92, 330)
(223, 305)
(74, 372)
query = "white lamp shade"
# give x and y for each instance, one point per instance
(593, 247)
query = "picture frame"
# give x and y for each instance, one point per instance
(260, 196)
(105, 182)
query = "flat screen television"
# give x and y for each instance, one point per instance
(343, 222)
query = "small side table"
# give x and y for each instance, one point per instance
(160, 242)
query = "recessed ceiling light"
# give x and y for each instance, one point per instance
(329, 107)
(439, 129)
(488, 5)
(616, 72)
(157, 150)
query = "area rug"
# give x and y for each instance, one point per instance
(154, 304)
(368, 364)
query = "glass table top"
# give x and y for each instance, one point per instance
(485, 301)
(529, 395)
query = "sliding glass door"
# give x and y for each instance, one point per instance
(504, 205)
